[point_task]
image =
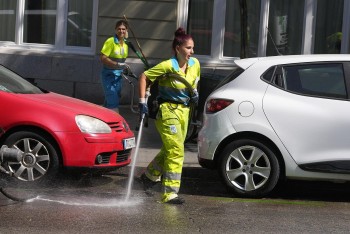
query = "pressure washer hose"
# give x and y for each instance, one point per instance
(188, 86)
(12, 197)
(9, 155)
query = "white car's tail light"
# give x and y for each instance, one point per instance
(215, 105)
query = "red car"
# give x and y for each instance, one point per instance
(56, 131)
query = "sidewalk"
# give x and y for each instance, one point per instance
(151, 143)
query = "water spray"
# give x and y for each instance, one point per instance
(136, 152)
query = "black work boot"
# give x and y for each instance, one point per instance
(147, 184)
(176, 201)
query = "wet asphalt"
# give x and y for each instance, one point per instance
(99, 204)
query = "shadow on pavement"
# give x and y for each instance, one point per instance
(196, 181)
(313, 190)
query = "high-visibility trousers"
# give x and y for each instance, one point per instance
(171, 123)
(112, 85)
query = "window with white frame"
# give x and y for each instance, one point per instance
(200, 25)
(56, 24)
(7, 20)
(273, 27)
(216, 27)
(285, 27)
(233, 28)
(39, 22)
(328, 31)
(79, 23)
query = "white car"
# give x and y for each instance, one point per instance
(279, 117)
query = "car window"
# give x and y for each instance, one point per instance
(268, 75)
(13, 83)
(236, 72)
(324, 80)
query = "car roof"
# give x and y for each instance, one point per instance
(288, 59)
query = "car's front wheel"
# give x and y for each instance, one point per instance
(40, 157)
(249, 168)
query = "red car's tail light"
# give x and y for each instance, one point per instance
(215, 105)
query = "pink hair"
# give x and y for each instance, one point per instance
(180, 38)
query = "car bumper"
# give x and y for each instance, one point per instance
(215, 129)
(94, 151)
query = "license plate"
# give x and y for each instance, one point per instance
(129, 143)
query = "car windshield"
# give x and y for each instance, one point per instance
(12, 83)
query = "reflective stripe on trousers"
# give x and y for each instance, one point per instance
(171, 123)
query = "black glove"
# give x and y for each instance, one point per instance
(143, 109)
(194, 97)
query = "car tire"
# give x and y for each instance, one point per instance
(249, 168)
(40, 162)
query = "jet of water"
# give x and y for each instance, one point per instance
(133, 163)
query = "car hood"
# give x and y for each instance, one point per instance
(73, 105)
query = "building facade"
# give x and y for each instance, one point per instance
(56, 43)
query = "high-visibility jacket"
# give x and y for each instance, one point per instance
(114, 50)
(171, 89)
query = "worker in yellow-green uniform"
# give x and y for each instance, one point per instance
(173, 115)
(113, 55)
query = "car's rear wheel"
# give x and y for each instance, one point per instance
(40, 158)
(249, 168)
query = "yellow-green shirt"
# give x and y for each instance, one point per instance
(114, 50)
(171, 89)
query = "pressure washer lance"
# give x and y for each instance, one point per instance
(136, 152)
